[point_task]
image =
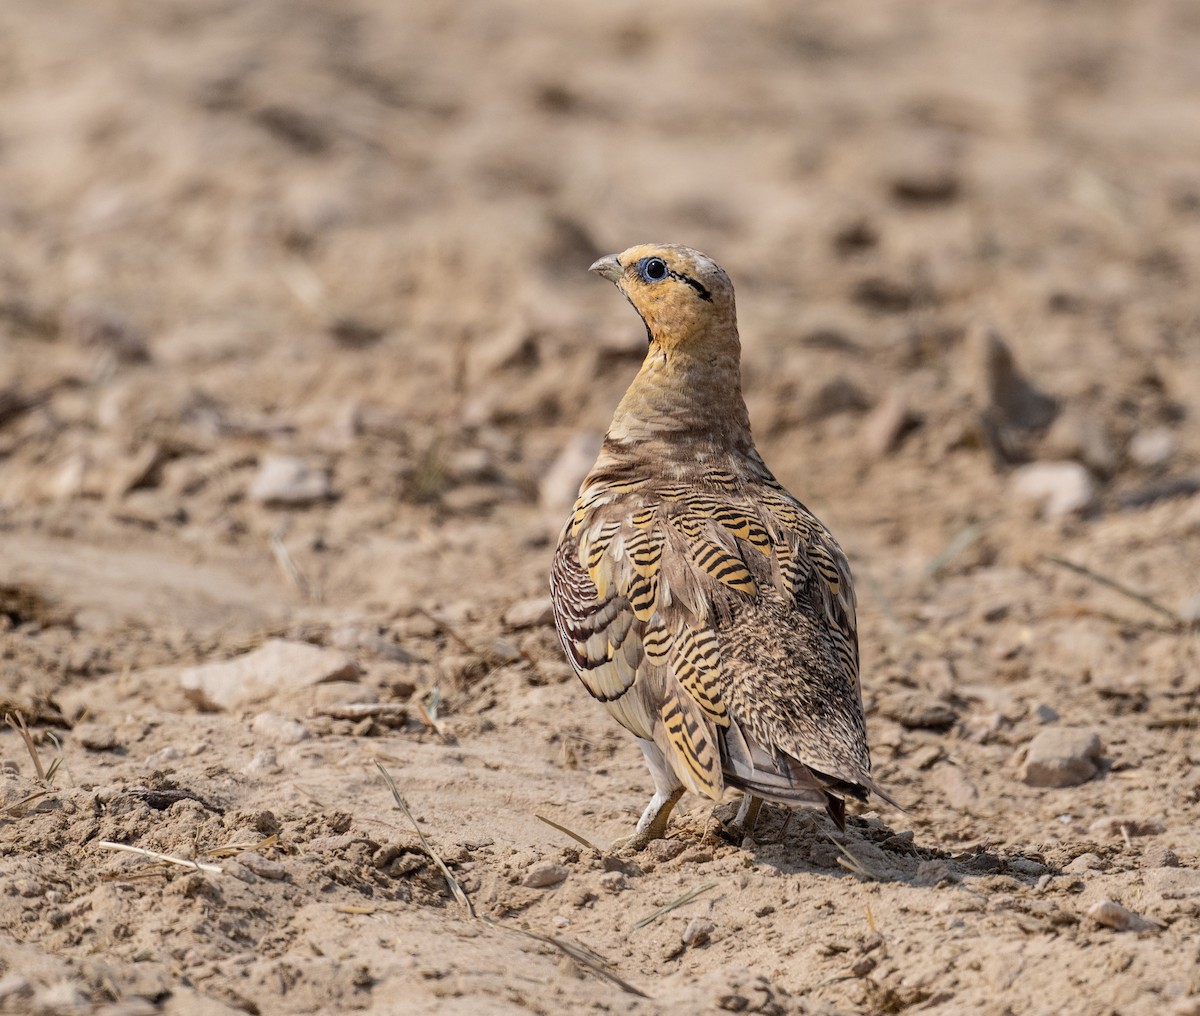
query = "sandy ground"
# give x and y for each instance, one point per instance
(357, 235)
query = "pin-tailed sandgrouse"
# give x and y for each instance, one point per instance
(706, 607)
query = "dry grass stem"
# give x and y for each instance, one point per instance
(687, 897)
(960, 542)
(590, 960)
(1113, 584)
(17, 806)
(230, 849)
(856, 865)
(563, 829)
(287, 564)
(18, 724)
(429, 718)
(455, 888)
(215, 869)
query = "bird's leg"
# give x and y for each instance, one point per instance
(667, 792)
(747, 816)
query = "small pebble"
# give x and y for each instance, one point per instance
(264, 762)
(96, 736)
(1026, 866)
(534, 612)
(698, 932)
(279, 729)
(666, 850)
(1151, 448)
(1045, 714)
(1058, 489)
(238, 871)
(168, 754)
(614, 881)
(285, 480)
(545, 875)
(1061, 757)
(27, 887)
(863, 966)
(1112, 915)
(1084, 863)
(1158, 856)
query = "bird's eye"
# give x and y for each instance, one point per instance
(653, 269)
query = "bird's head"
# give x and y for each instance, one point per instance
(681, 295)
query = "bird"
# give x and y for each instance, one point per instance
(706, 607)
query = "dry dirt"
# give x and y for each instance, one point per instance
(358, 234)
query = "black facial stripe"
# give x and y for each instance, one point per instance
(703, 293)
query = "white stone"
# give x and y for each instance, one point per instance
(1150, 448)
(277, 666)
(279, 729)
(545, 875)
(1057, 488)
(288, 480)
(164, 755)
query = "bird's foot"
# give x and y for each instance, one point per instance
(653, 823)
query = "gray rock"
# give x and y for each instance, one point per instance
(1085, 863)
(97, 736)
(1061, 757)
(276, 667)
(559, 485)
(1112, 915)
(544, 875)
(1152, 448)
(886, 424)
(534, 612)
(264, 762)
(1083, 437)
(614, 881)
(1158, 856)
(1044, 713)
(698, 932)
(164, 755)
(279, 729)
(288, 481)
(1056, 488)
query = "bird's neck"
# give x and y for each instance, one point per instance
(685, 404)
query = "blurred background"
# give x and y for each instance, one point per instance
(318, 271)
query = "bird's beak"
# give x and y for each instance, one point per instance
(607, 267)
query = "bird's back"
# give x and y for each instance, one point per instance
(714, 615)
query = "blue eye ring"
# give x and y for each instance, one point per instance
(653, 269)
